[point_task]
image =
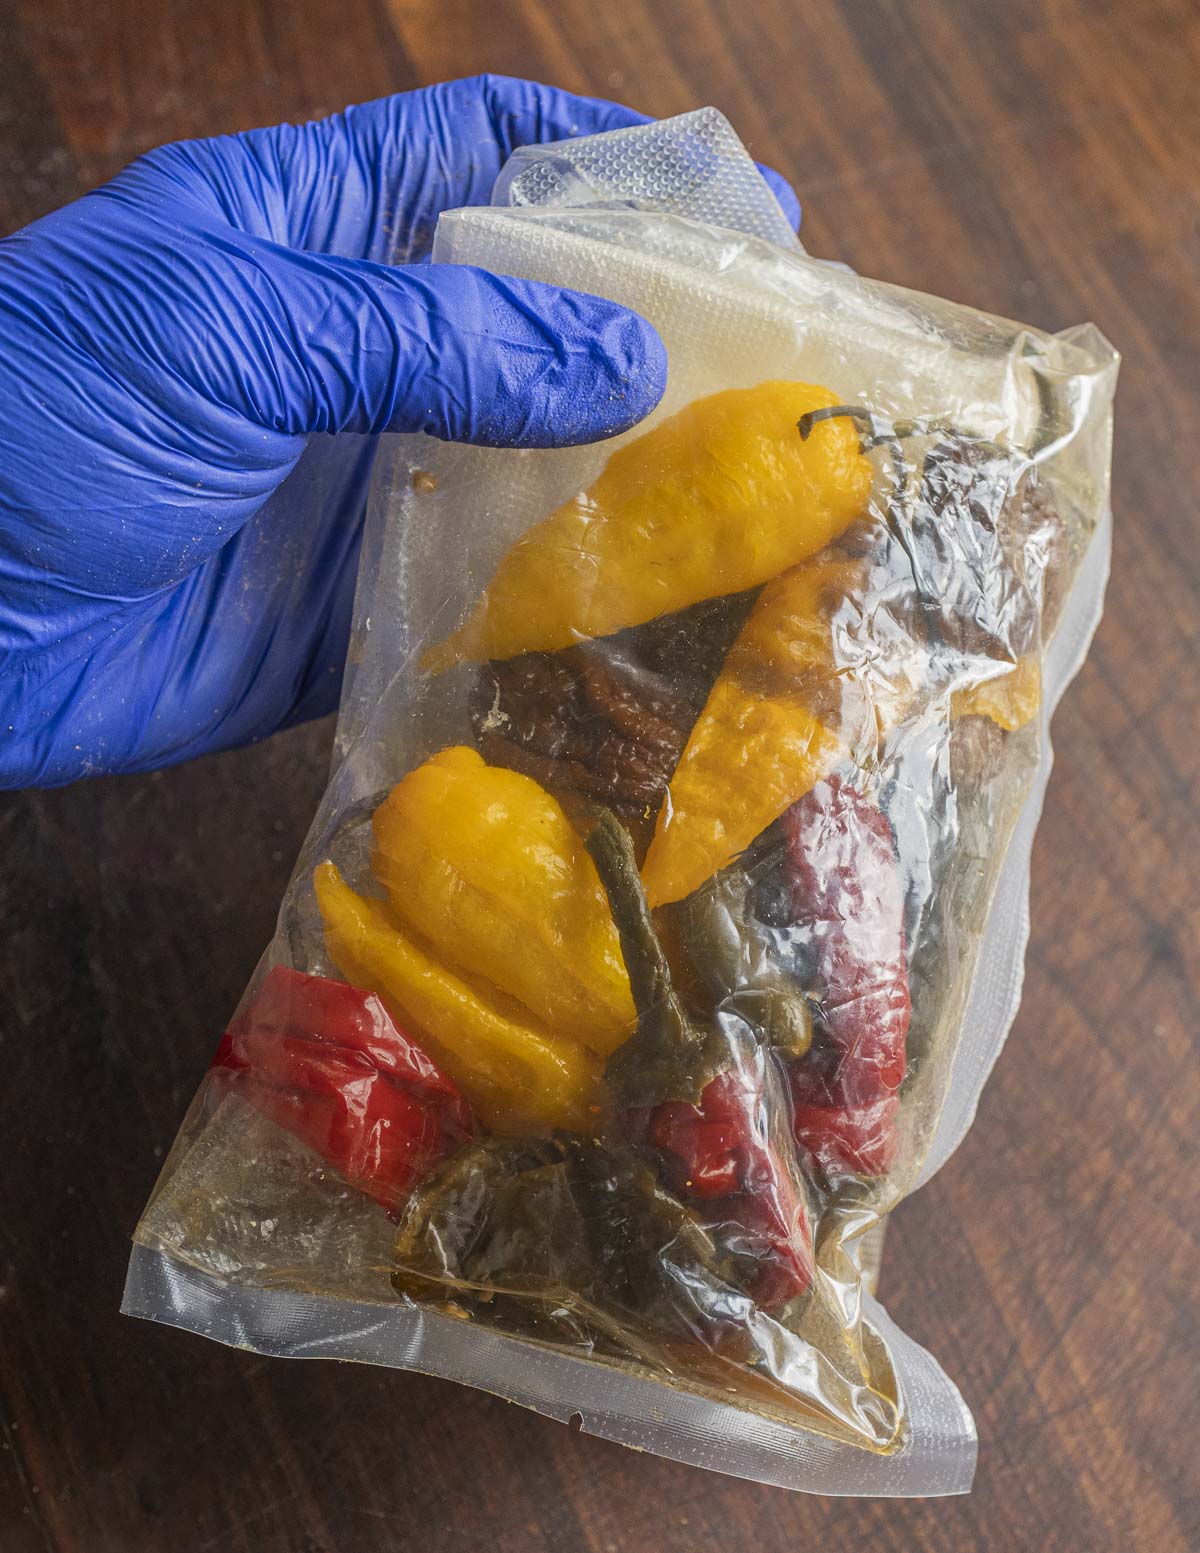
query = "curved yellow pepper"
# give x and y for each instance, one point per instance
(779, 717)
(718, 498)
(1010, 701)
(482, 864)
(515, 1075)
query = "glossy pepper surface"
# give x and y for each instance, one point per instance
(483, 865)
(778, 718)
(859, 1140)
(516, 1073)
(721, 1153)
(715, 499)
(327, 1062)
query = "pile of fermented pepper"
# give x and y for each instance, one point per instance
(626, 990)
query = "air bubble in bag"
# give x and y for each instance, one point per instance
(250, 1239)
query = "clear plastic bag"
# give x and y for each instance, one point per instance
(667, 905)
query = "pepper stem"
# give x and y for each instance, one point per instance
(668, 1057)
(611, 849)
(876, 432)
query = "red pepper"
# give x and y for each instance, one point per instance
(855, 1140)
(847, 910)
(327, 1062)
(721, 1153)
(706, 1142)
(847, 914)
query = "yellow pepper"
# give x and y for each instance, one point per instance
(779, 717)
(1010, 701)
(516, 1075)
(483, 865)
(718, 498)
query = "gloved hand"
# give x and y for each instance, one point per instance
(168, 346)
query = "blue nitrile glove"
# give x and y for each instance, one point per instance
(168, 344)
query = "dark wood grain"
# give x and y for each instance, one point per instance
(1038, 158)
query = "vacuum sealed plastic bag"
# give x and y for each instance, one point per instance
(667, 905)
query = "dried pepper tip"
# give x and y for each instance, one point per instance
(667, 1058)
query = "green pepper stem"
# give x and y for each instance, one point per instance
(875, 432)
(667, 1057)
(611, 849)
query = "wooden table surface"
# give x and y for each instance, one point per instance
(1037, 158)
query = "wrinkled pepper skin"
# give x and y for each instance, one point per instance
(327, 1062)
(847, 921)
(481, 863)
(778, 718)
(720, 1154)
(847, 928)
(859, 1140)
(517, 1075)
(717, 498)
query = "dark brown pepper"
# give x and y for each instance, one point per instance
(607, 720)
(590, 723)
(686, 649)
(968, 479)
(1038, 521)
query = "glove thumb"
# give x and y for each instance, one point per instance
(346, 345)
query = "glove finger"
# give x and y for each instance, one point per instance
(343, 345)
(370, 182)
